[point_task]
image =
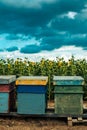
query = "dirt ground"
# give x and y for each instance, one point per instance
(38, 123)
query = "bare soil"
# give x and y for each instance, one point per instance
(38, 123)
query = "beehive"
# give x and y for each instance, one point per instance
(7, 93)
(68, 93)
(31, 91)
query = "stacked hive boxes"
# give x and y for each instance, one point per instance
(7, 93)
(68, 95)
(31, 94)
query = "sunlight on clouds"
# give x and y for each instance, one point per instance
(70, 48)
(65, 51)
(71, 15)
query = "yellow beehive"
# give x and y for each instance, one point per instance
(32, 80)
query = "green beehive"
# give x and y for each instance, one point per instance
(68, 93)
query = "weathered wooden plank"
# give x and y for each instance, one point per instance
(69, 119)
(68, 88)
(69, 104)
(80, 119)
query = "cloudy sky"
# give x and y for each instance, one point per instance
(43, 28)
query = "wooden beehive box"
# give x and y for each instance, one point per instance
(68, 93)
(7, 93)
(31, 94)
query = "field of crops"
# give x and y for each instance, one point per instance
(46, 67)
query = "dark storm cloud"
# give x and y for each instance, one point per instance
(55, 43)
(30, 49)
(12, 37)
(52, 42)
(31, 21)
(10, 49)
(17, 37)
(78, 41)
(20, 19)
(47, 43)
(74, 26)
(58, 41)
(36, 49)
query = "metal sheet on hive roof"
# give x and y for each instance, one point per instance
(7, 79)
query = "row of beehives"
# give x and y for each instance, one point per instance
(32, 94)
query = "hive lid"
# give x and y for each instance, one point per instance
(7, 79)
(32, 80)
(68, 80)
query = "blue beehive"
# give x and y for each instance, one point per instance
(31, 95)
(7, 93)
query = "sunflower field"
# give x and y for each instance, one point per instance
(46, 67)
